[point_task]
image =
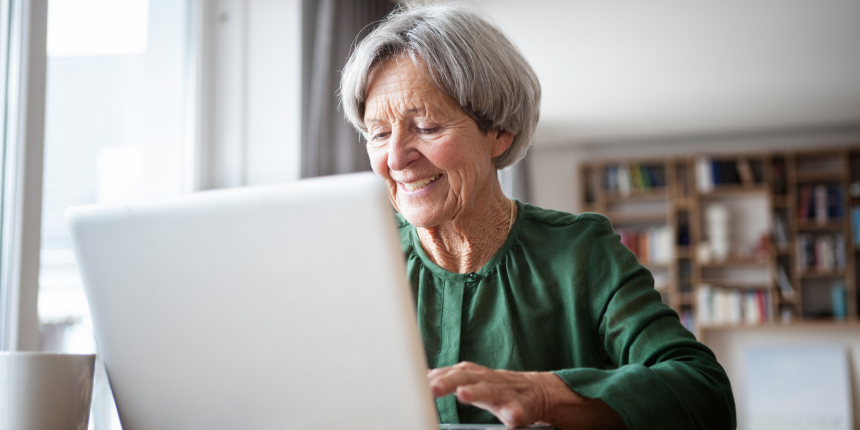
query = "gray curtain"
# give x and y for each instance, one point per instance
(330, 28)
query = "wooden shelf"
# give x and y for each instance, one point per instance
(818, 176)
(783, 301)
(787, 171)
(788, 250)
(682, 202)
(727, 283)
(822, 275)
(736, 261)
(734, 190)
(617, 219)
(779, 201)
(814, 226)
(656, 194)
(795, 323)
(741, 325)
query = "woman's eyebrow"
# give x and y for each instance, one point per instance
(407, 111)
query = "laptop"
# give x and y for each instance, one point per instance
(262, 307)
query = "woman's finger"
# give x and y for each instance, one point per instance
(508, 410)
(447, 382)
(483, 392)
(508, 396)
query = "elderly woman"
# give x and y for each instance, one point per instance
(527, 315)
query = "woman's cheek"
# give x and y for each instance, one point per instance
(378, 161)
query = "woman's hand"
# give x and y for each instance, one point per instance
(521, 398)
(515, 398)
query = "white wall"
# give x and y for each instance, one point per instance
(628, 69)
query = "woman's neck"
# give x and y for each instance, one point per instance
(468, 242)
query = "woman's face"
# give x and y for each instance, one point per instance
(435, 161)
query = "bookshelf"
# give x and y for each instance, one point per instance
(740, 240)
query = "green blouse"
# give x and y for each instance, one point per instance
(564, 295)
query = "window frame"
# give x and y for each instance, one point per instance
(24, 53)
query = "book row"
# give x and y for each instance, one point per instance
(823, 253)
(711, 173)
(626, 178)
(723, 306)
(653, 245)
(821, 203)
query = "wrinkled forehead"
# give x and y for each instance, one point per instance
(398, 85)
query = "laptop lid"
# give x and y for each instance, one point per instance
(263, 307)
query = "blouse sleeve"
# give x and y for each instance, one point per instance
(663, 378)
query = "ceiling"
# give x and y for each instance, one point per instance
(628, 70)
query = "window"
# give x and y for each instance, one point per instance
(114, 132)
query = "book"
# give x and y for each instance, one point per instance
(835, 196)
(704, 304)
(821, 205)
(624, 180)
(657, 177)
(745, 171)
(839, 251)
(612, 178)
(780, 232)
(735, 309)
(635, 177)
(764, 304)
(644, 255)
(840, 307)
(779, 179)
(704, 175)
(855, 224)
(784, 284)
(825, 257)
(687, 319)
(804, 201)
(730, 175)
(644, 177)
(753, 311)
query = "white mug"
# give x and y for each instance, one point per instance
(43, 390)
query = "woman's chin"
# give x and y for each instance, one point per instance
(420, 207)
(419, 217)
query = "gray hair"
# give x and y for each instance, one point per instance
(468, 58)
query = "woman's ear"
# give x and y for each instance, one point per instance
(501, 143)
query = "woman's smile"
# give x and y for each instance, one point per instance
(414, 186)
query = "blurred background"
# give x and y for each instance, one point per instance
(722, 140)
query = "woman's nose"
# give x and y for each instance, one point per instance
(401, 150)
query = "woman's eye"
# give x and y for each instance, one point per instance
(380, 136)
(428, 130)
